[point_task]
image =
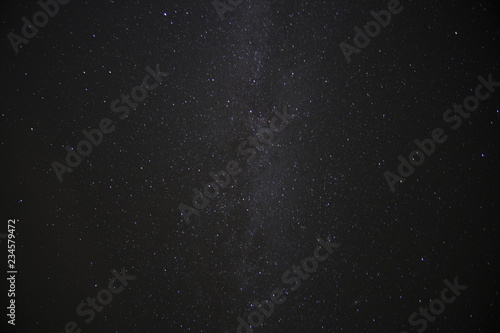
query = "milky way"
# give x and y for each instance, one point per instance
(320, 177)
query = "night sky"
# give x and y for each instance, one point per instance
(290, 145)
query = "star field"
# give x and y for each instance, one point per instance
(321, 177)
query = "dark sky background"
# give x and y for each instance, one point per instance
(322, 175)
